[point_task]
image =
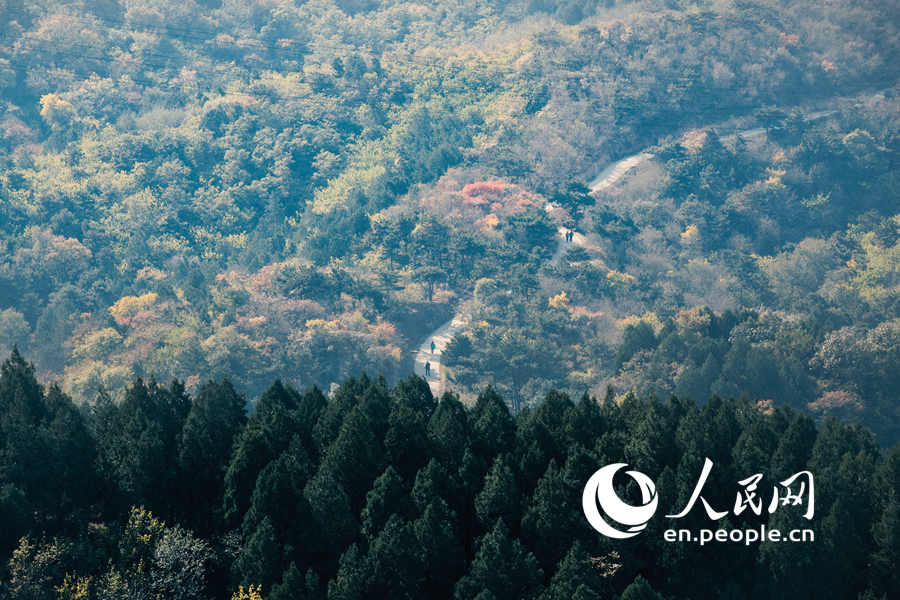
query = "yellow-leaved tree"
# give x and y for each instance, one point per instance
(254, 592)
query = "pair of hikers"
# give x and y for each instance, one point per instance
(428, 363)
(570, 235)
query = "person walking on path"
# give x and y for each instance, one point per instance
(432, 346)
(427, 369)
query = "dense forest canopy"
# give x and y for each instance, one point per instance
(305, 190)
(682, 214)
(387, 492)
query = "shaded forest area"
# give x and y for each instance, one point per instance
(386, 492)
(303, 190)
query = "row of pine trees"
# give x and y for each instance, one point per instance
(387, 492)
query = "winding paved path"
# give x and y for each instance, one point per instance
(441, 337)
(460, 321)
(606, 179)
(562, 245)
(614, 172)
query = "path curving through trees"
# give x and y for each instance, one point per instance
(460, 321)
(441, 337)
(608, 177)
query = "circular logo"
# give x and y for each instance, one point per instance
(600, 495)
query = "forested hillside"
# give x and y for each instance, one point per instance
(386, 492)
(763, 265)
(305, 190)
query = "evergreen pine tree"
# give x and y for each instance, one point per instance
(501, 566)
(499, 496)
(259, 561)
(389, 495)
(575, 578)
(216, 418)
(640, 589)
(443, 553)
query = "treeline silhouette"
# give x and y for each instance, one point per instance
(388, 492)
